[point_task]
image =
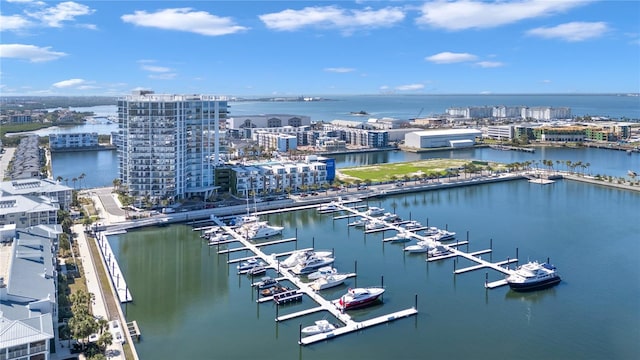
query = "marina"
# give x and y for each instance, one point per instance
(186, 260)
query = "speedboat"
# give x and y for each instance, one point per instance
(360, 223)
(257, 270)
(299, 256)
(419, 247)
(390, 217)
(320, 326)
(249, 264)
(262, 230)
(274, 290)
(439, 250)
(245, 220)
(331, 207)
(444, 235)
(266, 283)
(533, 276)
(374, 211)
(375, 225)
(399, 237)
(322, 272)
(410, 225)
(312, 263)
(328, 281)
(359, 297)
(218, 237)
(431, 231)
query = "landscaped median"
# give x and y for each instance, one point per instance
(422, 169)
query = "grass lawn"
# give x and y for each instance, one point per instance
(388, 172)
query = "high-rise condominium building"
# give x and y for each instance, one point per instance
(168, 145)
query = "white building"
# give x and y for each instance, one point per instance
(72, 141)
(24, 211)
(546, 113)
(441, 138)
(267, 121)
(269, 178)
(280, 142)
(58, 193)
(500, 132)
(165, 143)
(28, 297)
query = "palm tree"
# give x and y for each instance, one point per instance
(59, 178)
(81, 177)
(116, 184)
(74, 180)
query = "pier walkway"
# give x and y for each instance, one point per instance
(452, 248)
(350, 325)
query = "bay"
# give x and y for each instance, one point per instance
(190, 303)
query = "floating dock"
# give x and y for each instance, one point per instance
(305, 289)
(117, 279)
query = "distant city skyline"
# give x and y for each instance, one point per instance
(315, 48)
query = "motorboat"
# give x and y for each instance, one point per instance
(374, 211)
(402, 236)
(266, 283)
(331, 207)
(322, 272)
(439, 250)
(211, 231)
(431, 231)
(444, 235)
(219, 237)
(328, 281)
(375, 225)
(301, 255)
(257, 270)
(249, 264)
(262, 230)
(533, 276)
(360, 223)
(244, 220)
(359, 297)
(320, 326)
(411, 225)
(389, 217)
(312, 263)
(419, 247)
(274, 290)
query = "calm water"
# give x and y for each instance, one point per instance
(190, 304)
(101, 167)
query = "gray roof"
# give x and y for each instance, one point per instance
(32, 186)
(15, 332)
(23, 203)
(32, 272)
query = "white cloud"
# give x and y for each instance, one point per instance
(339, 70)
(333, 17)
(573, 31)
(65, 11)
(450, 58)
(472, 14)
(163, 76)
(69, 83)
(158, 69)
(489, 64)
(410, 87)
(185, 19)
(13, 22)
(30, 52)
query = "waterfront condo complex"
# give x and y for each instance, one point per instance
(168, 145)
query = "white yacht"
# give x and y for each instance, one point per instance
(374, 211)
(328, 282)
(444, 235)
(439, 250)
(411, 225)
(261, 230)
(320, 326)
(375, 225)
(533, 276)
(311, 264)
(301, 255)
(402, 236)
(420, 247)
(322, 272)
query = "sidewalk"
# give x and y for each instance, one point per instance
(98, 307)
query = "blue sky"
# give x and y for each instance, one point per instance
(293, 48)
